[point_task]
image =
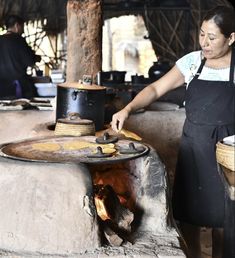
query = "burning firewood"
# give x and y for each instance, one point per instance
(113, 238)
(120, 179)
(109, 207)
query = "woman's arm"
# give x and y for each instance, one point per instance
(149, 94)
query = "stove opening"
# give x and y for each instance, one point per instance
(115, 201)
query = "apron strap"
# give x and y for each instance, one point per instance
(200, 68)
(232, 68)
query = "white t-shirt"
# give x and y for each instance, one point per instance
(189, 64)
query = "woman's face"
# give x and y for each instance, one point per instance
(213, 43)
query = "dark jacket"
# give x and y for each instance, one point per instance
(15, 56)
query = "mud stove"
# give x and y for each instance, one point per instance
(89, 209)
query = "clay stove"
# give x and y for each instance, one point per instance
(47, 209)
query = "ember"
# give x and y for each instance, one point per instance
(109, 207)
(116, 218)
(118, 177)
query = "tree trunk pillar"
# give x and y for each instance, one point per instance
(84, 39)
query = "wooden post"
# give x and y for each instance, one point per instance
(84, 42)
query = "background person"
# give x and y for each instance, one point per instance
(16, 57)
(198, 192)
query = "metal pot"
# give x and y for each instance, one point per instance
(113, 77)
(158, 69)
(86, 100)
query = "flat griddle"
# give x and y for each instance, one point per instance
(25, 151)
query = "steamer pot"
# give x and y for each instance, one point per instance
(86, 100)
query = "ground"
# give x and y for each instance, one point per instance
(206, 243)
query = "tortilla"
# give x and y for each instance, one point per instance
(77, 145)
(46, 146)
(129, 134)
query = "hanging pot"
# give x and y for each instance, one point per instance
(86, 100)
(158, 69)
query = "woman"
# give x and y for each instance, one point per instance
(198, 194)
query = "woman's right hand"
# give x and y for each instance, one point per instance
(119, 119)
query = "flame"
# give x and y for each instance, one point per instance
(101, 210)
(119, 178)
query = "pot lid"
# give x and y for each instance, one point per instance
(81, 86)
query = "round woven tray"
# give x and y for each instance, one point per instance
(225, 155)
(74, 129)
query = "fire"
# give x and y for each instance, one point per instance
(103, 196)
(118, 177)
(109, 208)
(101, 210)
(114, 200)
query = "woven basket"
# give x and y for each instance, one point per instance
(73, 125)
(225, 155)
(74, 129)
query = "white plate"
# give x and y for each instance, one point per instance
(230, 140)
(46, 89)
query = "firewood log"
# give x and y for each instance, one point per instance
(114, 210)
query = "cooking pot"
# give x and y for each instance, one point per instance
(113, 76)
(158, 69)
(135, 79)
(85, 99)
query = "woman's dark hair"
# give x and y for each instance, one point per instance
(11, 20)
(224, 18)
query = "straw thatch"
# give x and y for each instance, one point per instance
(172, 24)
(51, 12)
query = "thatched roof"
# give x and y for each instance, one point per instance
(53, 11)
(172, 24)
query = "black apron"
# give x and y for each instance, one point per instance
(198, 192)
